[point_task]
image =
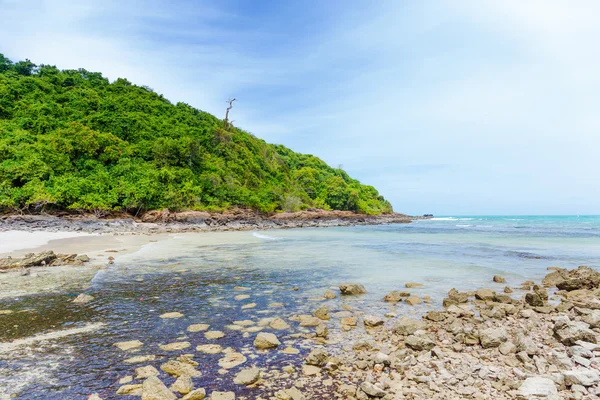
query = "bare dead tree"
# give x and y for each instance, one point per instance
(230, 101)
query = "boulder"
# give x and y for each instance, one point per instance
(538, 387)
(580, 278)
(266, 341)
(247, 376)
(593, 319)
(329, 294)
(309, 320)
(372, 390)
(568, 332)
(317, 357)
(322, 313)
(485, 294)
(28, 260)
(372, 321)
(413, 300)
(154, 389)
(145, 372)
(395, 296)
(197, 394)
(582, 376)
(419, 342)
(458, 297)
(352, 289)
(436, 316)
(407, 326)
(322, 331)
(179, 368)
(182, 385)
(493, 337)
(534, 300)
(498, 279)
(507, 289)
(279, 324)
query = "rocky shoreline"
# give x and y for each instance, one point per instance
(195, 221)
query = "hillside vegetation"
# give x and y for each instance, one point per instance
(72, 140)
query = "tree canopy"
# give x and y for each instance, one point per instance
(72, 140)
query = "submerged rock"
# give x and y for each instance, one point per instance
(175, 346)
(413, 300)
(498, 279)
(395, 296)
(329, 294)
(171, 315)
(209, 348)
(198, 327)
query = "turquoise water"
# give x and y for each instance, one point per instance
(196, 274)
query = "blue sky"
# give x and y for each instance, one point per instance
(447, 107)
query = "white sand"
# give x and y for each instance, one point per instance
(17, 240)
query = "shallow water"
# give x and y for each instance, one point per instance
(196, 273)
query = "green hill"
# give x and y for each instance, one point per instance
(72, 140)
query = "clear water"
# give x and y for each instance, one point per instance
(196, 273)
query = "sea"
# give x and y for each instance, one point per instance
(285, 273)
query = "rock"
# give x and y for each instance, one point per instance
(240, 297)
(458, 297)
(411, 285)
(171, 315)
(538, 387)
(372, 390)
(507, 348)
(145, 372)
(493, 337)
(407, 326)
(580, 278)
(290, 350)
(352, 289)
(209, 348)
(279, 324)
(498, 279)
(309, 320)
(29, 260)
(222, 396)
(585, 377)
(322, 331)
(179, 368)
(527, 344)
(249, 305)
(130, 390)
(197, 394)
(131, 344)
(154, 389)
(126, 379)
(322, 313)
(534, 300)
(83, 298)
(507, 289)
(266, 341)
(436, 316)
(231, 360)
(317, 357)
(294, 394)
(329, 294)
(485, 294)
(568, 332)
(247, 376)
(175, 346)
(310, 370)
(95, 396)
(395, 296)
(197, 327)
(182, 385)
(372, 321)
(140, 359)
(593, 319)
(413, 300)
(419, 342)
(210, 335)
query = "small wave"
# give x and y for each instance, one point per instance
(463, 225)
(265, 237)
(444, 219)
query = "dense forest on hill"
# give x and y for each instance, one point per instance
(72, 140)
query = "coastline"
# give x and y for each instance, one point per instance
(195, 221)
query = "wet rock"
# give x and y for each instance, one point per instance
(171, 315)
(322, 313)
(413, 300)
(209, 348)
(507, 289)
(485, 294)
(349, 322)
(248, 306)
(128, 345)
(83, 298)
(580, 278)
(329, 294)
(498, 279)
(372, 321)
(407, 326)
(372, 390)
(585, 377)
(322, 331)
(457, 297)
(309, 320)
(231, 360)
(83, 258)
(290, 350)
(247, 376)
(140, 359)
(419, 342)
(538, 387)
(395, 296)
(197, 394)
(279, 324)
(436, 316)
(145, 372)
(211, 335)
(317, 357)
(569, 332)
(182, 385)
(534, 300)
(179, 368)
(352, 289)
(126, 379)
(154, 389)
(240, 297)
(411, 285)
(266, 341)
(197, 327)
(130, 390)
(222, 395)
(29, 260)
(175, 346)
(310, 370)
(95, 396)
(493, 337)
